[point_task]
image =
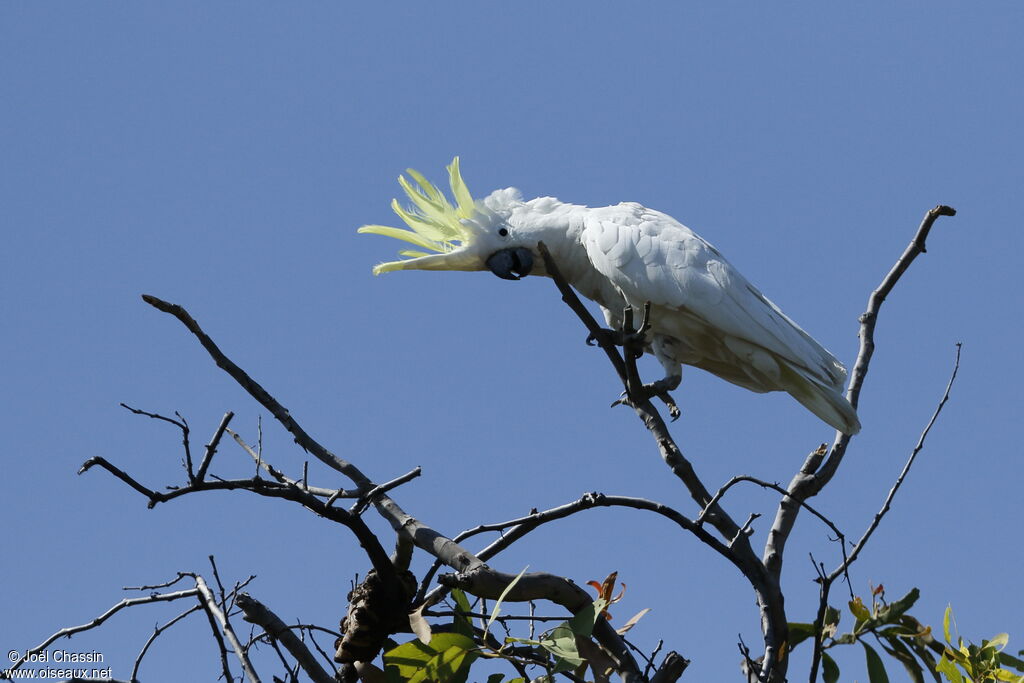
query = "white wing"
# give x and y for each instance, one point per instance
(711, 307)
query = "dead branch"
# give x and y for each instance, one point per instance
(257, 613)
(918, 447)
(72, 630)
(826, 581)
(156, 634)
(212, 608)
(405, 525)
(273, 489)
(808, 482)
(519, 527)
(254, 389)
(181, 423)
(211, 447)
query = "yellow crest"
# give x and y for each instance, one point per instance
(435, 224)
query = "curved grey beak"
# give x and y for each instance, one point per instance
(511, 264)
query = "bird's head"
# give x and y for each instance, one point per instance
(471, 235)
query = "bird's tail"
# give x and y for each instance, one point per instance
(824, 401)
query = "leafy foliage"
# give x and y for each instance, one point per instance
(906, 640)
(978, 663)
(445, 652)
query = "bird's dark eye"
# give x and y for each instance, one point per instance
(503, 232)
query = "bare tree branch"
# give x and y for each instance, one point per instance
(367, 498)
(257, 613)
(156, 634)
(262, 464)
(918, 447)
(72, 630)
(212, 608)
(808, 482)
(261, 395)
(181, 423)
(826, 580)
(211, 447)
(671, 668)
(519, 527)
(774, 487)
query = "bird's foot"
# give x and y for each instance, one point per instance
(632, 343)
(659, 390)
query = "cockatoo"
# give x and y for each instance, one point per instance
(703, 312)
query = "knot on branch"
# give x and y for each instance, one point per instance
(376, 609)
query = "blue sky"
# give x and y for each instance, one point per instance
(222, 155)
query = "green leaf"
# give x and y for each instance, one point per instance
(860, 612)
(799, 632)
(408, 658)
(829, 669)
(497, 606)
(894, 610)
(896, 649)
(945, 624)
(582, 623)
(561, 643)
(832, 616)
(948, 669)
(495, 678)
(450, 666)
(461, 624)
(876, 670)
(1009, 660)
(998, 641)
(919, 648)
(412, 658)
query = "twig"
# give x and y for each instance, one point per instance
(367, 539)
(259, 393)
(824, 586)
(211, 447)
(745, 529)
(903, 475)
(220, 586)
(212, 608)
(826, 580)
(367, 498)
(181, 423)
(807, 484)
(524, 525)
(127, 602)
(257, 613)
(774, 487)
(281, 477)
(166, 584)
(156, 633)
(222, 649)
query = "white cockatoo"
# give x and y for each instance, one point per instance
(703, 311)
